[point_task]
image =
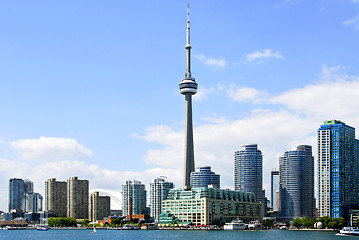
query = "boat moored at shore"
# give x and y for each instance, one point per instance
(235, 225)
(350, 231)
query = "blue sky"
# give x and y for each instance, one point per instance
(90, 88)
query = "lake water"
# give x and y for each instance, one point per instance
(166, 234)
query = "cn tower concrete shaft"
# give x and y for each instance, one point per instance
(189, 149)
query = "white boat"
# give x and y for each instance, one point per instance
(94, 230)
(43, 228)
(130, 227)
(235, 225)
(254, 225)
(350, 231)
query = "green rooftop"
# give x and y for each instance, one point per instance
(332, 122)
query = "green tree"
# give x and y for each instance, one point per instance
(268, 223)
(308, 222)
(336, 223)
(52, 222)
(325, 220)
(85, 222)
(115, 222)
(297, 222)
(62, 222)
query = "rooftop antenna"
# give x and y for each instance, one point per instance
(188, 47)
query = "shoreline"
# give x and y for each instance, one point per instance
(311, 229)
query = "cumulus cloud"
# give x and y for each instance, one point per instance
(203, 93)
(336, 94)
(353, 22)
(263, 54)
(213, 62)
(246, 94)
(172, 141)
(50, 148)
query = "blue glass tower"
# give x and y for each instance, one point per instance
(296, 180)
(205, 177)
(248, 172)
(337, 169)
(18, 191)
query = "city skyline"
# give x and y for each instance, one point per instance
(79, 95)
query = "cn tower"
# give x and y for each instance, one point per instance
(188, 87)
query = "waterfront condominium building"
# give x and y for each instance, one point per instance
(204, 178)
(159, 189)
(248, 172)
(18, 190)
(133, 194)
(296, 180)
(77, 198)
(34, 202)
(274, 180)
(337, 169)
(209, 206)
(99, 207)
(56, 197)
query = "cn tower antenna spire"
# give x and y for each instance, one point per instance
(188, 47)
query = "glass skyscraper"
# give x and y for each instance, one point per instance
(20, 191)
(296, 180)
(135, 191)
(248, 172)
(274, 179)
(159, 189)
(337, 169)
(204, 178)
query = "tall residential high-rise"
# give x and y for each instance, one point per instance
(18, 189)
(204, 178)
(274, 180)
(296, 180)
(56, 197)
(337, 169)
(99, 207)
(159, 189)
(34, 202)
(16, 193)
(135, 191)
(188, 87)
(248, 172)
(77, 198)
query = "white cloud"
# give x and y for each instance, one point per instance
(335, 96)
(167, 157)
(203, 93)
(50, 148)
(218, 63)
(246, 94)
(263, 54)
(354, 22)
